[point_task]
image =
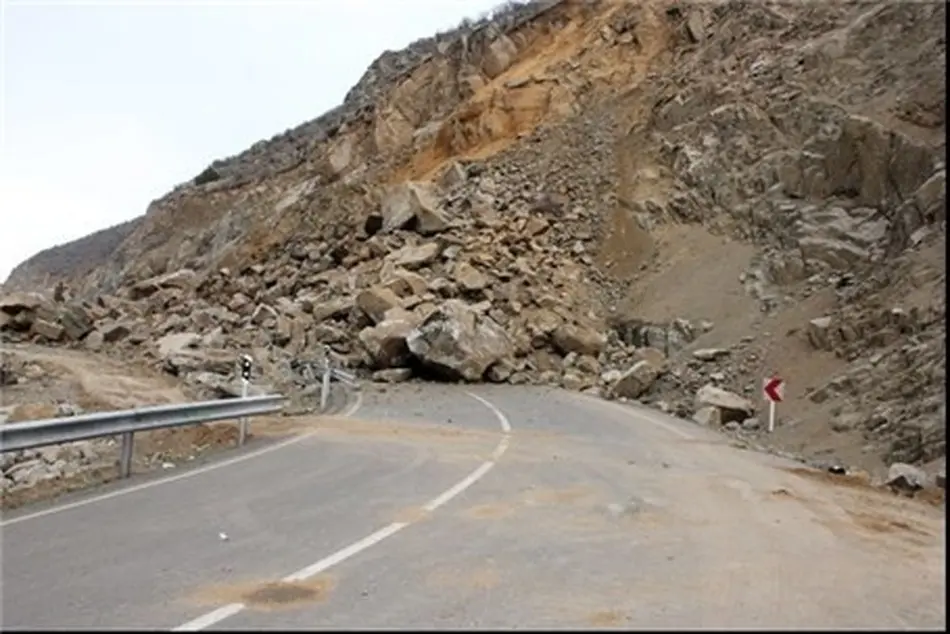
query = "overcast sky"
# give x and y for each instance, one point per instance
(108, 105)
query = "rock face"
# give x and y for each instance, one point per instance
(458, 343)
(486, 205)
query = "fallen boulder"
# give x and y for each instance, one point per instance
(636, 380)
(183, 279)
(732, 407)
(456, 342)
(47, 330)
(905, 478)
(569, 338)
(76, 321)
(18, 311)
(708, 416)
(375, 301)
(386, 342)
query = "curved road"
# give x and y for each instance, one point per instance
(502, 507)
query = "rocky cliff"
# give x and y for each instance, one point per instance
(655, 201)
(68, 261)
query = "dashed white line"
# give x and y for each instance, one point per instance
(181, 476)
(229, 610)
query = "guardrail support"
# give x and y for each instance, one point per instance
(125, 456)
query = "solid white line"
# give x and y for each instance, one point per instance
(500, 449)
(219, 614)
(469, 480)
(180, 476)
(502, 419)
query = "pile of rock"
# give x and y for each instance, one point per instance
(31, 315)
(25, 469)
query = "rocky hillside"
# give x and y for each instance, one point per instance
(655, 201)
(68, 261)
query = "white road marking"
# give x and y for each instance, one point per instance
(502, 419)
(181, 476)
(219, 614)
(469, 480)
(209, 619)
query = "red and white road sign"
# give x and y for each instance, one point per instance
(774, 389)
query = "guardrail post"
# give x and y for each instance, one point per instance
(325, 386)
(125, 456)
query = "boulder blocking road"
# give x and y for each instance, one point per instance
(499, 507)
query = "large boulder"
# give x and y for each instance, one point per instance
(819, 333)
(18, 311)
(386, 342)
(47, 330)
(906, 478)
(732, 407)
(181, 280)
(636, 380)
(76, 321)
(569, 338)
(181, 353)
(375, 301)
(15, 303)
(412, 206)
(456, 342)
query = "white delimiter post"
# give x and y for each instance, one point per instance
(246, 366)
(242, 428)
(771, 415)
(325, 387)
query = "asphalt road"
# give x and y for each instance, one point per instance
(522, 508)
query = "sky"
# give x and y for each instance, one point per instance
(108, 105)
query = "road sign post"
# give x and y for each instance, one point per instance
(246, 363)
(774, 390)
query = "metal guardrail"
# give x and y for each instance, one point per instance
(330, 373)
(54, 431)
(125, 423)
(344, 377)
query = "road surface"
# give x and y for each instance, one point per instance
(495, 507)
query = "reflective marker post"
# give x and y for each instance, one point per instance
(325, 387)
(774, 390)
(246, 364)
